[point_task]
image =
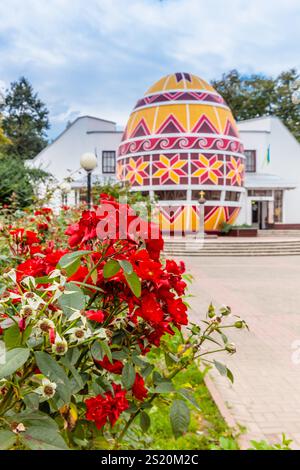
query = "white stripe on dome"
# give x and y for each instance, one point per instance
(177, 103)
(182, 135)
(176, 150)
(178, 90)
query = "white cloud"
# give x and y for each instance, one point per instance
(99, 56)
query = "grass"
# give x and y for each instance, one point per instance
(207, 429)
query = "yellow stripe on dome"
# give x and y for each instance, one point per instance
(158, 86)
(199, 110)
(147, 114)
(225, 115)
(171, 82)
(179, 111)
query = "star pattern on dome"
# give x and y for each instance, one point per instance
(135, 170)
(208, 169)
(236, 171)
(169, 168)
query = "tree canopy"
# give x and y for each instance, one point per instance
(257, 95)
(25, 120)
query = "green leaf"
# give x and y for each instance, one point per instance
(97, 351)
(179, 417)
(15, 358)
(126, 266)
(14, 338)
(31, 401)
(111, 268)
(188, 394)
(71, 261)
(221, 368)
(72, 299)
(134, 283)
(144, 421)
(51, 369)
(128, 375)
(7, 439)
(41, 432)
(165, 387)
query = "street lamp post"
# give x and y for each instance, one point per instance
(201, 201)
(88, 162)
(65, 188)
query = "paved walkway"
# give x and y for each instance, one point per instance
(265, 291)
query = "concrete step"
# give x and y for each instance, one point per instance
(283, 247)
(278, 233)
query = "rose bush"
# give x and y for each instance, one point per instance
(91, 329)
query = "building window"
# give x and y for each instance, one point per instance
(108, 161)
(208, 195)
(232, 196)
(278, 199)
(250, 161)
(260, 192)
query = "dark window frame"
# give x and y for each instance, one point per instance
(250, 167)
(108, 169)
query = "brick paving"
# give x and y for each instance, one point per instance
(264, 291)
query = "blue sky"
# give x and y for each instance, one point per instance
(99, 56)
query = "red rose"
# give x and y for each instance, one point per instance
(150, 309)
(95, 315)
(115, 367)
(177, 310)
(139, 390)
(102, 409)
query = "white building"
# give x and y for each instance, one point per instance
(272, 173)
(61, 157)
(272, 184)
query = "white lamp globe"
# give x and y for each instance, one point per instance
(88, 161)
(296, 96)
(65, 187)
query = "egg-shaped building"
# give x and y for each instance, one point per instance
(180, 139)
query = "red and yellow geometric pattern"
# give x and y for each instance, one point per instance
(169, 169)
(182, 136)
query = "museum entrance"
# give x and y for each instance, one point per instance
(260, 214)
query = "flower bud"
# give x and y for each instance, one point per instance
(239, 324)
(231, 348)
(60, 346)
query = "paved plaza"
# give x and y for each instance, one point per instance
(264, 291)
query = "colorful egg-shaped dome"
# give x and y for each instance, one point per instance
(181, 138)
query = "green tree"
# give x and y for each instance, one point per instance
(257, 95)
(25, 120)
(17, 181)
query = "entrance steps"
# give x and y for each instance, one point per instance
(234, 247)
(279, 233)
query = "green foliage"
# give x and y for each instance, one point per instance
(285, 444)
(15, 358)
(25, 120)
(15, 183)
(251, 96)
(226, 228)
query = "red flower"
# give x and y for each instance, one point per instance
(115, 368)
(150, 309)
(95, 315)
(102, 409)
(146, 268)
(177, 310)
(139, 390)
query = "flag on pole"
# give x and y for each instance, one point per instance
(268, 155)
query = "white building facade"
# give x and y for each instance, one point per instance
(61, 158)
(272, 184)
